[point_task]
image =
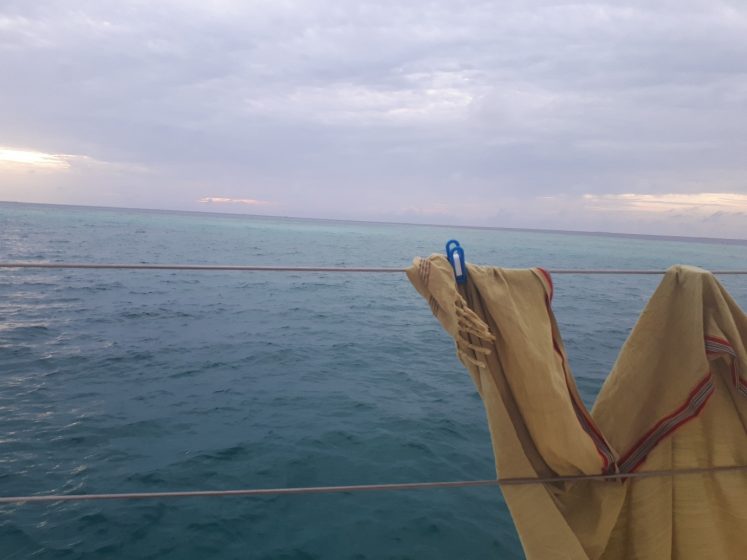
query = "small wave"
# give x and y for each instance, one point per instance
(23, 330)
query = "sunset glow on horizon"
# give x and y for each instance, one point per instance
(11, 158)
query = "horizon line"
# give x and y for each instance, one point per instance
(648, 236)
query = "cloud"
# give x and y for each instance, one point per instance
(226, 200)
(13, 159)
(23, 160)
(440, 96)
(696, 203)
(699, 214)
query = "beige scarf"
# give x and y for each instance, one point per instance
(675, 399)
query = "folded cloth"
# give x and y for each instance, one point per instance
(675, 399)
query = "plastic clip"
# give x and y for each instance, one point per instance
(455, 254)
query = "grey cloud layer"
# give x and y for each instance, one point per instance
(381, 109)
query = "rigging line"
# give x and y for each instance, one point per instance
(364, 487)
(252, 268)
(199, 267)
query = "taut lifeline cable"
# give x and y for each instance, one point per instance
(252, 268)
(365, 487)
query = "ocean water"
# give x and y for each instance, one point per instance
(129, 381)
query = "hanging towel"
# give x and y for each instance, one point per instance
(676, 399)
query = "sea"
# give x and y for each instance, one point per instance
(144, 381)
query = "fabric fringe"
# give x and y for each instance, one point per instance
(469, 323)
(469, 359)
(463, 341)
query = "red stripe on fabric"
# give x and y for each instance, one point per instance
(643, 439)
(719, 341)
(579, 406)
(549, 281)
(675, 427)
(737, 379)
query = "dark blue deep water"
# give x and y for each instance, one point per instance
(125, 381)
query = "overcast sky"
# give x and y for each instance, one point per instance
(628, 117)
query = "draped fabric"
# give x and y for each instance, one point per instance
(676, 399)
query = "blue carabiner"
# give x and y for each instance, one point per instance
(449, 249)
(455, 254)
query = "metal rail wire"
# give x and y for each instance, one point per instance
(365, 487)
(252, 268)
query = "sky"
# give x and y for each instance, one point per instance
(597, 116)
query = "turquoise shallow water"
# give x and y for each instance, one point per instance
(120, 381)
